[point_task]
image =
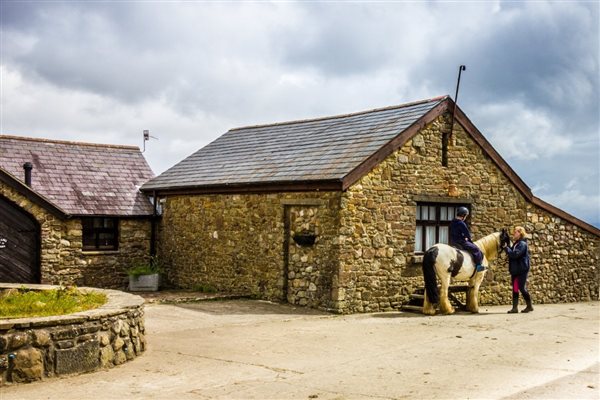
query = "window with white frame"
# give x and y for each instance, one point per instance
(433, 224)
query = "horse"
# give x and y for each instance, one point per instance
(449, 263)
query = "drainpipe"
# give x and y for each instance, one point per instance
(28, 167)
(153, 225)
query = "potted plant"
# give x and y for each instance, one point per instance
(145, 276)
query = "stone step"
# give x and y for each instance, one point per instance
(417, 296)
(457, 288)
(410, 308)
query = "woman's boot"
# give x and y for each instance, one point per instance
(514, 309)
(529, 307)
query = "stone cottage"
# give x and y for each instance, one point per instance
(335, 212)
(71, 213)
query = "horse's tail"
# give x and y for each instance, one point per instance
(429, 275)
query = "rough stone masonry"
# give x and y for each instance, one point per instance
(36, 348)
(363, 258)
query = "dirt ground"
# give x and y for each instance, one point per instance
(243, 349)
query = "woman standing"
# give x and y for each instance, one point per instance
(518, 266)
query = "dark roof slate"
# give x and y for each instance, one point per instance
(81, 178)
(321, 149)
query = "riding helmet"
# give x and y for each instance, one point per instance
(462, 211)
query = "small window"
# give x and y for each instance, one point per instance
(100, 233)
(433, 224)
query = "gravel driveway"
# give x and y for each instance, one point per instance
(252, 349)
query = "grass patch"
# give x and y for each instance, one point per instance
(20, 303)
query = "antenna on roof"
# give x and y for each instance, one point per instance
(446, 136)
(147, 137)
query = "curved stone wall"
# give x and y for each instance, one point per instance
(36, 348)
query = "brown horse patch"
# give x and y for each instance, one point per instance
(455, 265)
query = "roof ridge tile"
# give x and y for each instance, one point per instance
(333, 117)
(69, 142)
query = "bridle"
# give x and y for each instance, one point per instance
(504, 238)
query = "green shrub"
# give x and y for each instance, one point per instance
(152, 266)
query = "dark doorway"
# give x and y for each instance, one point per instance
(19, 245)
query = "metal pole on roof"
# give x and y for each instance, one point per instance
(460, 70)
(446, 136)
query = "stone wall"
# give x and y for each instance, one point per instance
(311, 268)
(64, 262)
(36, 348)
(377, 264)
(364, 255)
(238, 243)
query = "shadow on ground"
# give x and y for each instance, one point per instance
(248, 307)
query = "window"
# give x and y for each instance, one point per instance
(433, 223)
(100, 233)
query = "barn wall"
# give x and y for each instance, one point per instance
(378, 269)
(236, 243)
(63, 261)
(565, 259)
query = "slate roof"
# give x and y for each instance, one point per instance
(81, 178)
(323, 149)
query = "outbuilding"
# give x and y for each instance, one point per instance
(336, 212)
(71, 213)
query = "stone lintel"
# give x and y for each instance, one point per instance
(303, 202)
(441, 199)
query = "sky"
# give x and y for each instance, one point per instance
(189, 71)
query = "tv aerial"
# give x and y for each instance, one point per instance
(146, 138)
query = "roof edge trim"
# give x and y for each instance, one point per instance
(36, 198)
(394, 144)
(565, 215)
(252, 187)
(491, 152)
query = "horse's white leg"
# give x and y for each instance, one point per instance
(473, 294)
(428, 308)
(445, 305)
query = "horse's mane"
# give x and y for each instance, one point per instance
(488, 244)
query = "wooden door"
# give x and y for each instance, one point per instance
(19, 245)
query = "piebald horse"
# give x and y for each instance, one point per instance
(449, 263)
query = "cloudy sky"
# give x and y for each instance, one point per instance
(189, 71)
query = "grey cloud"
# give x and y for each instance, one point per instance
(530, 55)
(212, 66)
(339, 39)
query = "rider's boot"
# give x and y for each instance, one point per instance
(515, 303)
(479, 268)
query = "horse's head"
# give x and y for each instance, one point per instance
(504, 239)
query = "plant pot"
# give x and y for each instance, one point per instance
(305, 239)
(144, 283)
